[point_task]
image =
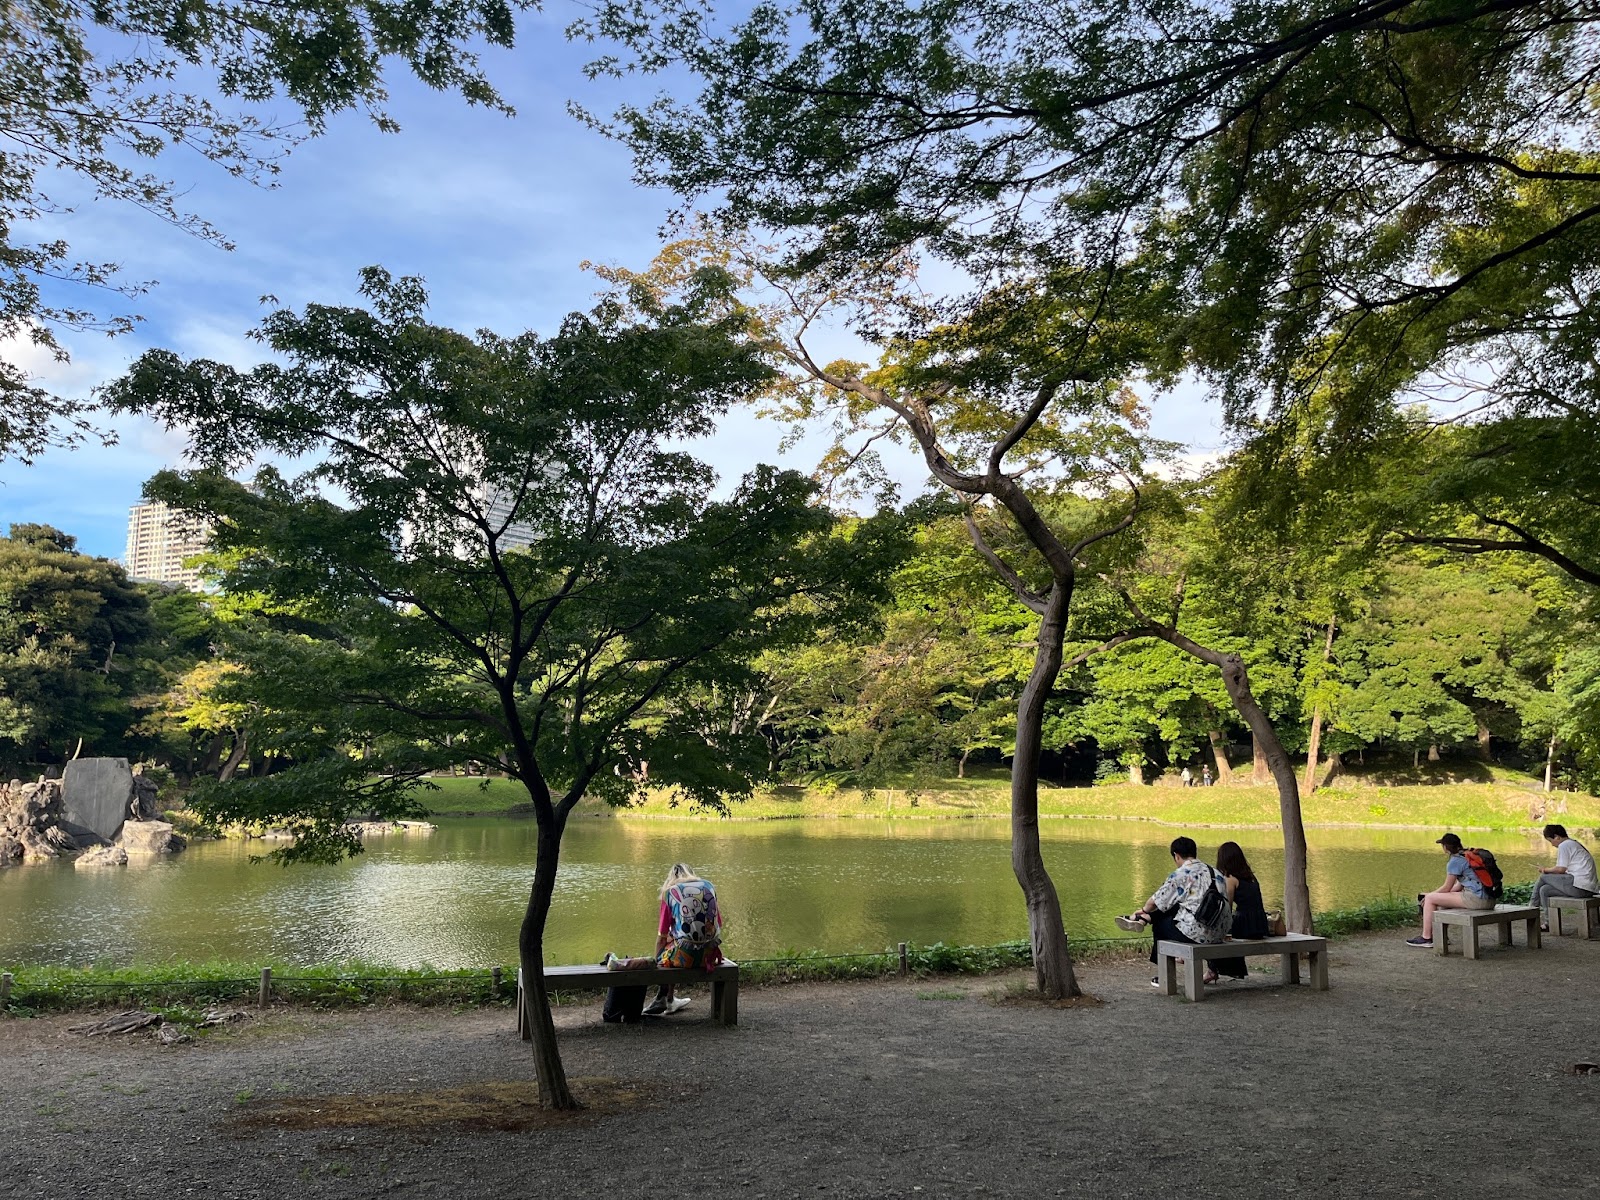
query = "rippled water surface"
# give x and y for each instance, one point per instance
(455, 898)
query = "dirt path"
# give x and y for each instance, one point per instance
(1384, 1086)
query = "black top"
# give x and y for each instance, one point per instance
(1249, 914)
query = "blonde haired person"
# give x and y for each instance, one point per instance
(688, 934)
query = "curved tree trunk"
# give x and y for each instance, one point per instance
(1219, 754)
(553, 1089)
(1236, 678)
(1052, 959)
(1315, 746)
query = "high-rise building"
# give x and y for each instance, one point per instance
(159, 539)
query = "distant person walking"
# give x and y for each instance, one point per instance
(1573, 875)
(1461, 889)
(1205, 776)
(1188, 779)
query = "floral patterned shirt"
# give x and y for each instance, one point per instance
(1182, 891)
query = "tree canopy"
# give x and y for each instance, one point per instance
(93, 92)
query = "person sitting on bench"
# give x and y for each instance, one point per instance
(1461, 889)
(1177, 912)
(688, 936)
(1249, 913)
(1573, 874)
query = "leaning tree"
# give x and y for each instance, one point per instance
(499, 557)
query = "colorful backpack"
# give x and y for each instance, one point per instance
(694, 911)
(1488, 872)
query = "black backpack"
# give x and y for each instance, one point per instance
(625, 1004)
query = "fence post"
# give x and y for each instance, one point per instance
(905, 963)
(499, 977)
(266, 987)
(5, 989)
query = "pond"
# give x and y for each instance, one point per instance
(455, 898)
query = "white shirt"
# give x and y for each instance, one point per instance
(1579, 864)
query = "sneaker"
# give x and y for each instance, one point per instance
(1155, 981)
(1131, 923)
(657, 1008)
(1420, 942)
(677, 1006)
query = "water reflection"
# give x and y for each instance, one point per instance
(456, 899)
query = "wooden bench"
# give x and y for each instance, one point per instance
(1501, 916)
(1587, 908)
(724, 981)
(1289, 947)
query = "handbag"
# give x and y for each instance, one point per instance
(1275, 925)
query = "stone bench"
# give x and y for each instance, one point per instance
(1587, 908)
(1470, 920)
(1289, 947)
(724, 981)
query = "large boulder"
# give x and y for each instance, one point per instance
(97, 795)
(102, 856)
(149, 837)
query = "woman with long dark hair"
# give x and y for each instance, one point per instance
(1249, 913)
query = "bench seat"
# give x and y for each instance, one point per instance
(1469, 920)
(724, 981)
(1587, 908)
(1288, 946)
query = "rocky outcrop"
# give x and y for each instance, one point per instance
(38, 823)
(150, 837)
(102, 856)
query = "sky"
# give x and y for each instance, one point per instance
(497, 214)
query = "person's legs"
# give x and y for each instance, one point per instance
(1233, 968)
(1435, 900)
(1163, 928)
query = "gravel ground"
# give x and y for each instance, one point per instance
(1413, 1076)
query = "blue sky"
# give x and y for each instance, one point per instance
(495, 213)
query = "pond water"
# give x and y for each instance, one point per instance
(455, 898)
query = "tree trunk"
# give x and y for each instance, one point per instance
(1550, 763)
(1416, 758)
(1314, 749)
(1260, 769)
(553, 1089)
(1433, 752)
(961, 766)
(1052, 959)
(1236, 678)
(241, 745)
(1136, 774)
(1219, 752)
(1485, 750)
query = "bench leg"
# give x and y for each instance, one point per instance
(1469, 941)
(1167, 970)
(1503, 932)
(1555, 922)
(1318, 960)
(1535, 938)
(1192, 987)
(1588, 920)
(1441, 937)
(725, 1002)
(1289, 967)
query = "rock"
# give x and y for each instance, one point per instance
(36, 846)
(96, 795)
(10, 849)
(103, 856)
(149, 837)
(145, 803)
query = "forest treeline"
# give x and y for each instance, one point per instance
(1417, 654)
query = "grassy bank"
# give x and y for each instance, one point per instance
(183, 990)
(1497, 799)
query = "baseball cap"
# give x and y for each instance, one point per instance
(1449, 841)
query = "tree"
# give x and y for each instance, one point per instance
(518, 572)
(92, 91)
(69, 624)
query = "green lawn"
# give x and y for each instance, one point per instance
(1503, 800)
